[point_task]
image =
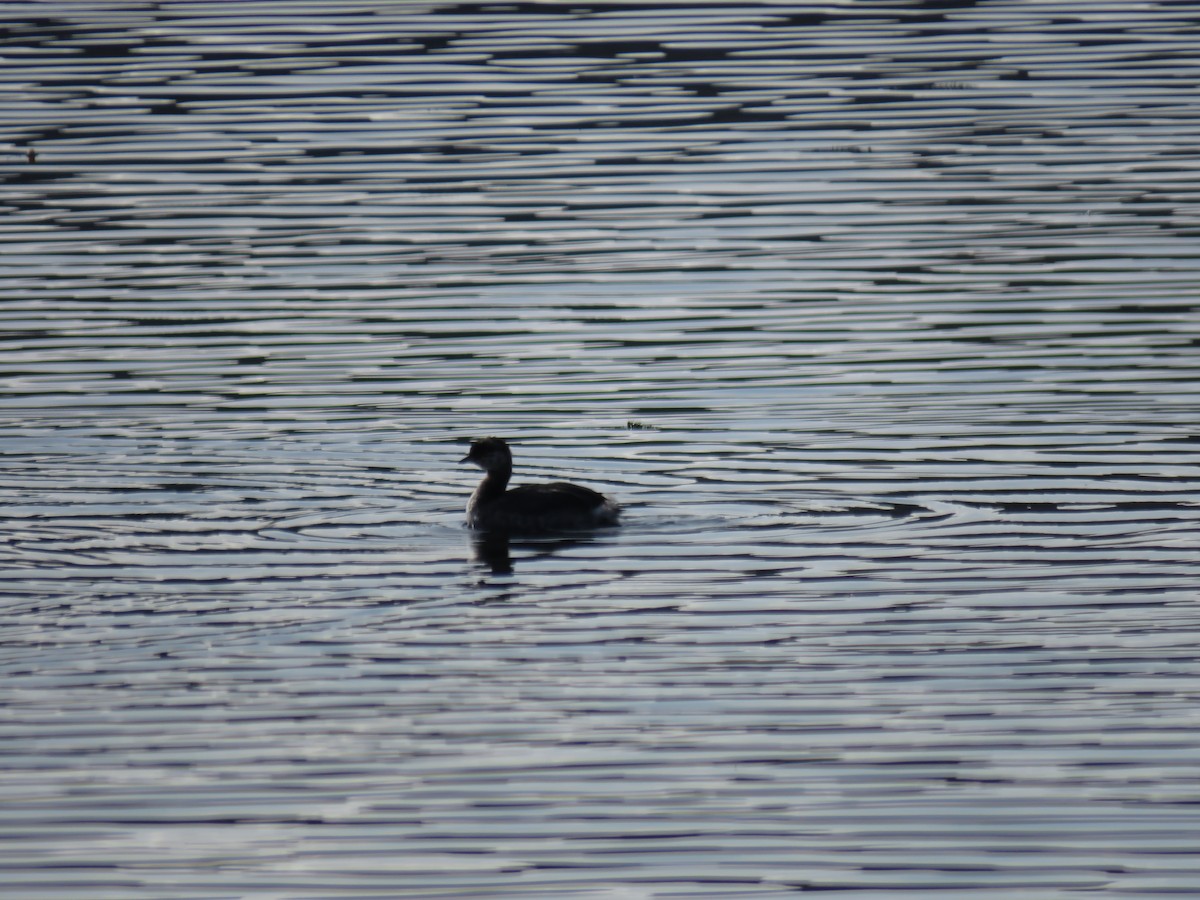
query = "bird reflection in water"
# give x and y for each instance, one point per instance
(494, 549)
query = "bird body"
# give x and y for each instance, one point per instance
(557, 506)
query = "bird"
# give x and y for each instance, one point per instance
(557, 506)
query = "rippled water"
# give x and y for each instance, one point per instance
(880, 319)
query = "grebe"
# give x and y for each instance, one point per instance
(532, 507)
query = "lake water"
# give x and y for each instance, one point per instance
(880, 319)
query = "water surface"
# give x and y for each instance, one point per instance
(879, 319)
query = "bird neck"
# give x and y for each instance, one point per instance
(494, 483)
